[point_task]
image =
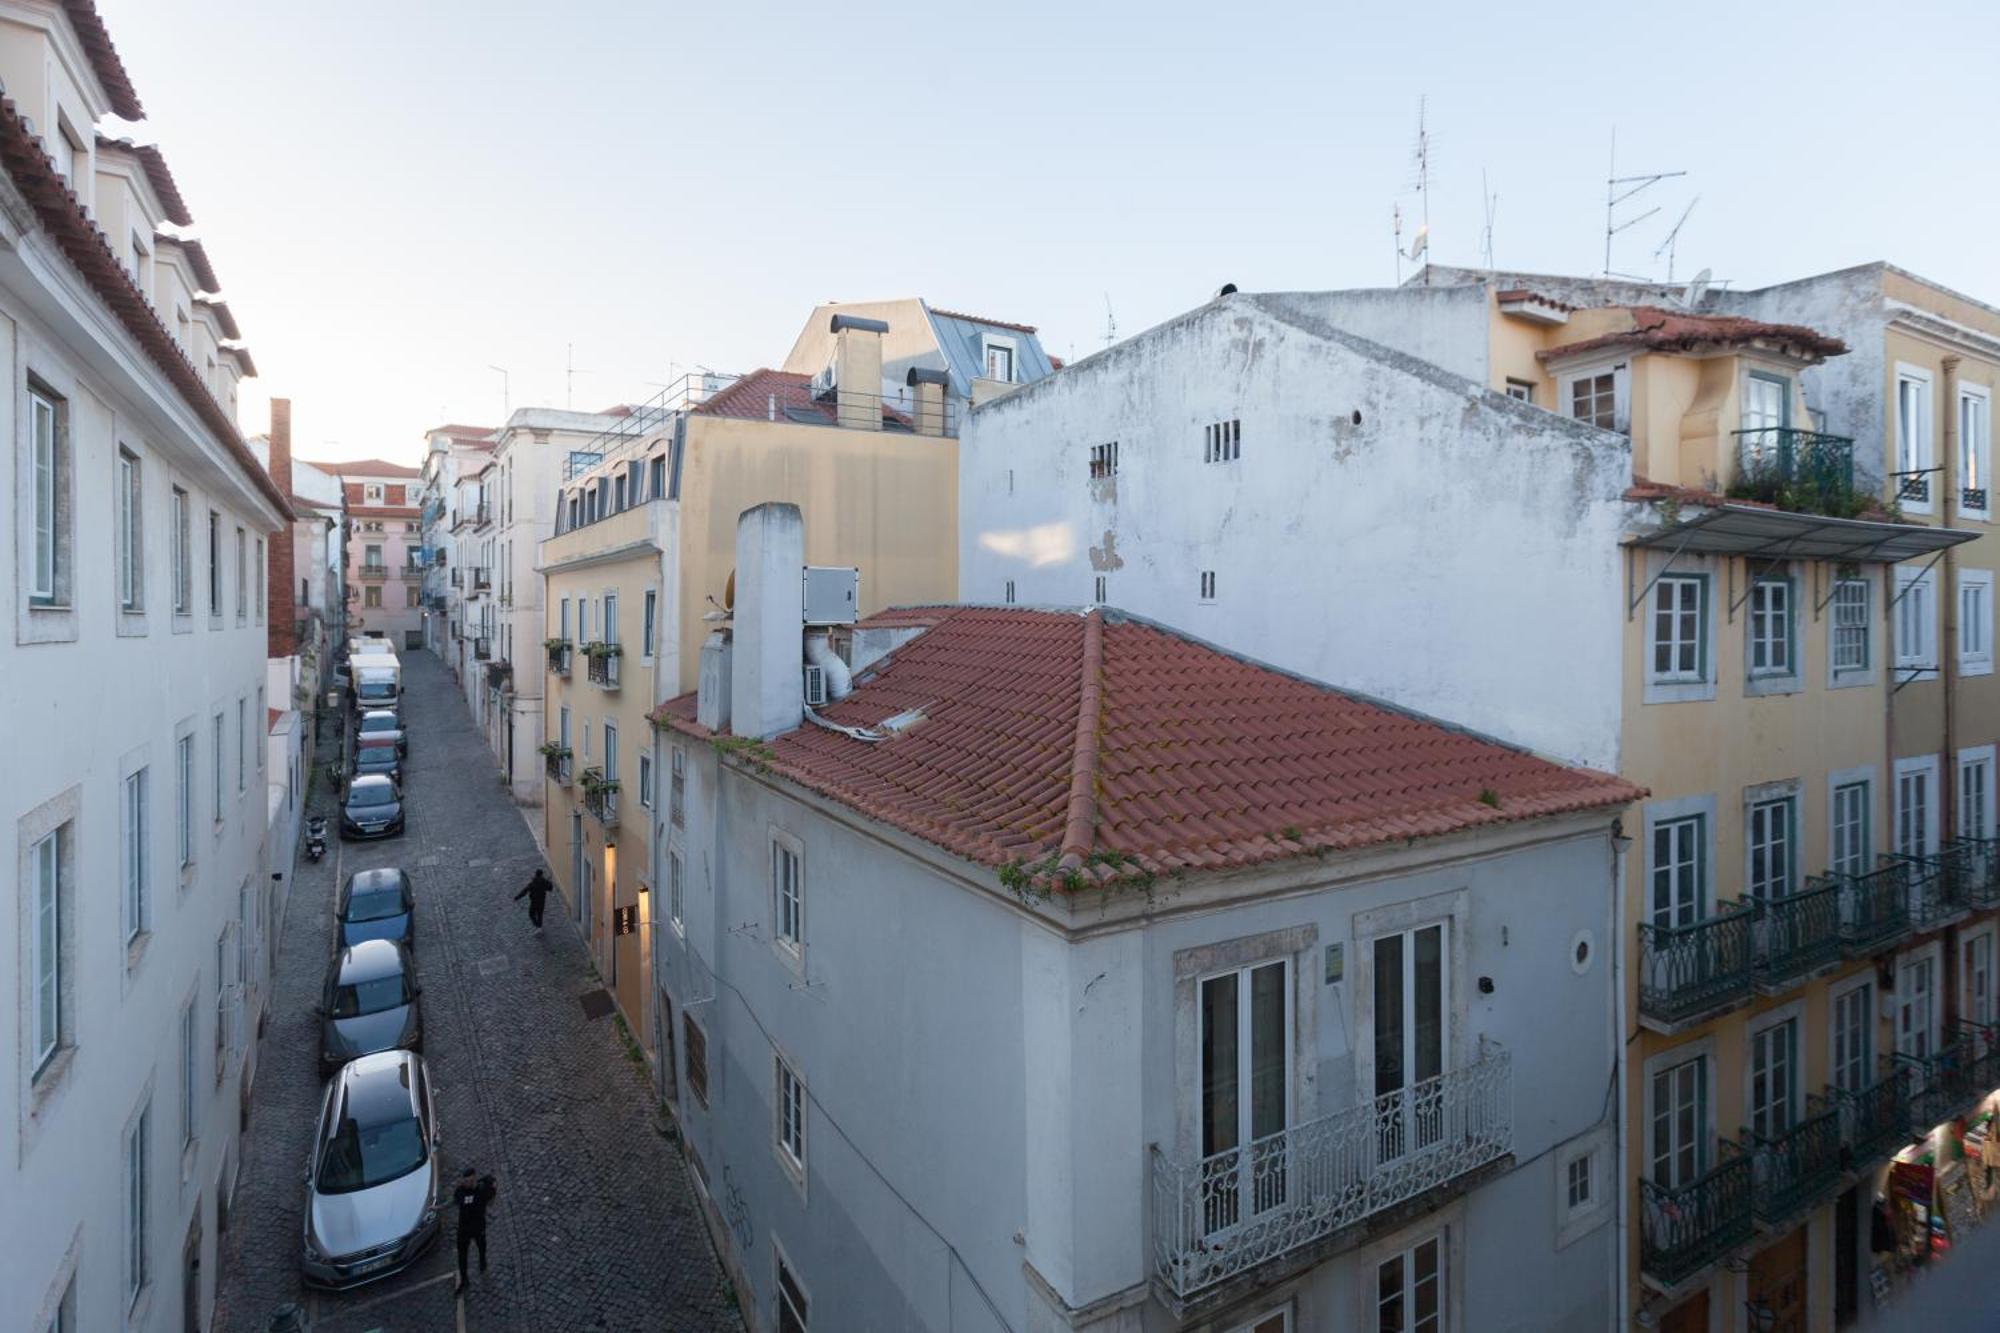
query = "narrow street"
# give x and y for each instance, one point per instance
(596, 1226)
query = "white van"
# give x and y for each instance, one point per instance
(378, 682)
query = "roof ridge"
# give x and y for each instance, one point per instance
(1080, 833)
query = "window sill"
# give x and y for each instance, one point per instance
(1977, 667)
(1847, 680)
(793, 1171)
(131, 624)
(187, 871)
(1678, 692)
(50, 1081)
(1756, 687)
(183, 623)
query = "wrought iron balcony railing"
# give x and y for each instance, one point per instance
(481, 581)
(1949, 1082)
(374, 573)
(482, 648)
(1874, 909)
(1874, 1120)
(601, 802)
(1222, 1215)
(604, 666)
(556, 761)
(1796, 934)
(1686, 1230)
(1689, 971)
(1796, 1168)
(1933, 884)
(559, 658)
(482, 514)
(1805, 471)
(1978, 862)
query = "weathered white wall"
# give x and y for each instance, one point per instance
(1446, 326)
(1429, 553)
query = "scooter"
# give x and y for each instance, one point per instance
(315, 837)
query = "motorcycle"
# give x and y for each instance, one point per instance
(315, 837)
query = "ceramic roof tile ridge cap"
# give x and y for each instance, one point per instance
(1080, 834)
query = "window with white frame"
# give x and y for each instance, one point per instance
(1677, 1111)
(1222, 441)
(1584, 1183)
(257, 601)
(242, 570)
(1852, 1030)
(1851, 624)
(214, 563)
(793, 1308)
(1975, 792)
(184, 799)
(182, 518)
(1916, 1003)
(1771, 837)
(1975, 622)
(1410, 1289)
(1244, 1017)
(1977, 977)
(1913, 438)
(1412, 1031)
(48, 444)
(610, 617)
(45, 947)
(610, 751)
(137, 1205)
(1680, 628)
(1576, 1182)
(1771, 626)
(788, 895)
(130, 534)
(1916, 827)
(999, 360)
(190, 1046)
(1594, 398)
(242, 746)
(217, 775)
(1774, 1078)
(1975, 448)
(790, 1117)
(1521, 391)
(676, 891)
(677, 785)
(1916, 620)
(1104, 460)
(646, 781)
(649, 628)
(1850, 852)
(1098, 587)
(1679, 870)
(133, 816)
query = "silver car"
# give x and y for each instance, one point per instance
(370, 1004)
(373, 1182)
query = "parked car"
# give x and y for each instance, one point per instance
(373, 809)
(370, 1004)
(382, 724)
(378, 757)
(373, 1180)
(376, 905)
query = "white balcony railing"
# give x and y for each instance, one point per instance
(1223, 1215)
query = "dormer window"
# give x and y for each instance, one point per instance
(998, 360)
(142, 261)
(1597, 396)
(69, 150)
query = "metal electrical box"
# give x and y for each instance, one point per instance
(831, 594)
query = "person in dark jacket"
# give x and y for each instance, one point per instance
(472, 1193)
(537, 894)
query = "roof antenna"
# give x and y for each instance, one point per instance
(1666, 247)
(1422, 154)
(1492, 207)
(1614, 196)
(1110, 322)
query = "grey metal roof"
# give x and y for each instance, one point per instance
(1777, 535)
(959, 339)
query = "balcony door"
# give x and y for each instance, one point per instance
(1246, 1079)
(1774, 1078)
(1678, 1102)
(1916, 1006)
(1767, 408)
(1411, 1034)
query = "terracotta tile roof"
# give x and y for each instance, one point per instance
(104, 59)
(220, 309)
(465, 434)
(1657, 330)
(367, 467)
(84, 245)
(242, 355)
(981, 319)
(271, 716)
(750, 399)
(154, 164)
(1098, 744)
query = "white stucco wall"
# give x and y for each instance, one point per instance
(1389, 528)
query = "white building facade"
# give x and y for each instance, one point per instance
(133, 832)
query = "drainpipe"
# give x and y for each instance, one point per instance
(1948, 656)
(1621, 1250)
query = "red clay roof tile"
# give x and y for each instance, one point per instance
(1657, 330)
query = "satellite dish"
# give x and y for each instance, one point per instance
(1696, 289)
(1421, 243)
(729, 592)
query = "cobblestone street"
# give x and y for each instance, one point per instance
(596, 1226)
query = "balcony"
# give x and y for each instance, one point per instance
(600, 796)
(1949, 1083)
(1933, 885)
(1978, 862)
(1686, 1231)
(559, 656)
(1690, 973)
(1803, 471)
(1796, 935)
(1874, 909)
(457, 578)
(1874, 1121)
(477, 581)
(482, 649)
(1221, 1216)
(482, 514)
(556, 759)
(374, 573)
(1796, 1169)
(603, 664)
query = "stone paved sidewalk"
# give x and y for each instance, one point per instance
(596, 1226)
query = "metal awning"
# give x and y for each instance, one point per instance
(1775, 534)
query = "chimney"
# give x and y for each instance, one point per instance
(928, 389)
(857, 370)
(711, 699)
(280, 579)
(767, 678)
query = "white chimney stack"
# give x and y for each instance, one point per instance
(767, 654)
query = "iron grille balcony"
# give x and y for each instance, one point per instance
(555, 758)
(1874, 1121)
(603, 664)
(1949, 1082)
(1972, 497)
(1225, 1214)
(1978, 861)
(1686, 1230)
(482, 514)
(1689, 972)
(1805, 471)
(1796, 934)
(374, 573)
(1933, 884)
(600, 797)
(457, 578)
(1874, 909)
(1793, 1170)
(1982, 1045)
(559, 657)
(482, 649)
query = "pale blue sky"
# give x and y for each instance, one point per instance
(398, 194)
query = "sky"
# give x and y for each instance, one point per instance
(399, 195)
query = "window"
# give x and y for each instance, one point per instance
(1222, 442)
(1975, 622)
(1916, 1004)
(133, 816)
(1773, 1078)
(371, 596)
(647, 619)
(697, 1058)
(792, 1305)
(646, 781)
(1978, 975)
(1913, 437)
(1850, 851)
(1577, 1182)
(66, 147)
(130, 534)
(788, 896)
(790, 1116)
(1678, 870)
(610, 752)
(562, 622)
(1594, 398)
(1773, 825)
(1853, 1023)
(257, 602)
(184, 799)
(1521, 390)
(1245, 1043)
(1007, 593)
(136, 1224)
(1409, 1289)
(45, 962)
(1207, 585)
(1975, 447)
(1271, 1321)
(190, 1104)
(618, 494)
(1412, 1036)
(214, 563)
(1677, 1100)
(1915, 831)
(676, 874)
(677, 785)
(656, 480)
(1975, 793)
(183, 543)
(1098, 589)
(1103, 460)
(218, 768)
(562, 733)
(242, 747)
(411, 596)
(1767, 409)
(242, 566)
(50, 446)
(999, 361)
(1850, 625)
(1916, 620)
(1771, 627)
(1680, 626)
(371, 559)
(611, 617)
(372, 492)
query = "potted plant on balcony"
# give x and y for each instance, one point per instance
(595, 649)
(555, 645)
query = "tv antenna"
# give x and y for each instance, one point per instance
(1492, 206)
(1618, 189)
(1110, 322)
(1666, 247)
(1422, 157)
(570, 372)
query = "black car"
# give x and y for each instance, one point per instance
(378, 758)
(370, 1004)
(382, 724)
(373, 809)
(376, 905)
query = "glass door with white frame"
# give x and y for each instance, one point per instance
(1978, 978)
(1677, 871)
(1916, 1008)
(1678, 1102)
(1410, 1291)
(1773, 1078)
(1853, 1018)
(1767, 410)
(1411, 1039)
(1245, 1018)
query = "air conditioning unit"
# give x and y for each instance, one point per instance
(825, 383)
(815, 687)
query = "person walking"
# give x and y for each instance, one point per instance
(537, 894)
(472, 1193)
